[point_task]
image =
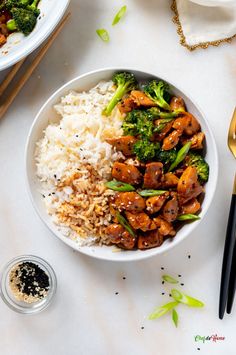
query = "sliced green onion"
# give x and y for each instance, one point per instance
(160, 311)
(146, 193)
(188, 217)
(119, 186)
(169, 279)
(180, 155)
(188, 300)
(175, 317)
(125, 224)
(119, 15)
(103, 34)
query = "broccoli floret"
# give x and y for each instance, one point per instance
(145, 150)
(23, 21)
(10, 4)
(125, 82)
(138, 122)
(166, 156)
(33, 7)
(158, 92)
(195, 159)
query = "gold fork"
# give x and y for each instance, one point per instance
(228, 275)
(232, 134)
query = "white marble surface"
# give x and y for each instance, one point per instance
(87, 318)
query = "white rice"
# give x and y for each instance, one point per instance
(65, 154)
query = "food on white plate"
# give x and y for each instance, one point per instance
(17, 16)
(124, 165)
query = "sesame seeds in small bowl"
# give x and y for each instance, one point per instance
(27, 284)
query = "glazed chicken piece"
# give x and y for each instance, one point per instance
(187, 124)
(160, 136)
(193, 126)
(124, 144)
(127, 105)
(171, 140)
(126, 173)
(149, 240)
(153, 175)
(129, 201)
(141, 99)
(188, 185)
(164, 228)
(192, 206)
(177, 103)
(140, 221)
(119, 235)
(170, 180)
(155, 203)
(171, 208)
(181, 123)
(3, 39)
(196, 140)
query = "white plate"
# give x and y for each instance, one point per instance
(215, 2)
(19, 46)
(47, 115)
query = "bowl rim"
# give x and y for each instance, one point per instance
(134, 256)
(25, 49)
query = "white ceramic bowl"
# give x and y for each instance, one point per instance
(19, 46)
(47, 115)
(215, 2)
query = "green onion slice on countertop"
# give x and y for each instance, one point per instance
(188, 217)
(180, 155)
(160, 311)
(185, 299)
(103, 34)
(175, 317)
(125, 224)
(119, 15)
(169, 279)
(146, 193)
(119, 186)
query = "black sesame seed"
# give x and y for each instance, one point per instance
(163, 293)
(163, 282)
(182, 284)
(33, 281)
(124, 278)
(43, 196)
(117, 293)
(189, 256)
(142, 327)
(162, 268)
(198, 348)
(55, 176)
(179, 275)
(170, 295)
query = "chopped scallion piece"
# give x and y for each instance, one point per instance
(180, 155)
(160, 311)
(146, 193)
(125, 224)
(119, 186)
(188, 217)
(188, 300)
(169, 279)
(103, 34)
(175, 317)
(121, 13)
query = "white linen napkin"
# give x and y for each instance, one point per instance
(201, 26)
